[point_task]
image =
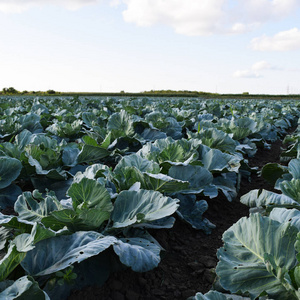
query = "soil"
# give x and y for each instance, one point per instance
(188, 263)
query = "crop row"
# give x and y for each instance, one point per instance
(85, 176)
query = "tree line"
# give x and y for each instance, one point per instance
(13, 91)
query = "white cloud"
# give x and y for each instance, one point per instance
(246, 74)
(255, 70)
(293, 69)
(282, 41)
(242, 27)
(205, 17)
(115, 3)
(265, 10)
(18, 6)
(188, 17)
(261, 65)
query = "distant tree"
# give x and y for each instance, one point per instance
(9, 90)
(51, 92)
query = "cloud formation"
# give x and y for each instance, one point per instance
(18, 6)
(246, 74)
(261, 65)
(282, 41)
(265, 10)
(188, 17)
(206, 17)
(255, 70)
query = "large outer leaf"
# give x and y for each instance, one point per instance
(283, 215)
(89, 193)
(35, 207)
(20, 245)
(211, 295)
(10, 150)
(31, 122)
(39, 233)
(168, 150)
(257, 253)
(92, 218)
(64, 129)
(69, 156)
(179, 151)
(22, 289)
(42, 139)
(272, 171)
(297, 247)
(267, 199)
(291, 188)
(214, 295)
(172, 128)
(120, 124)
(85, 219)
(188, 150)
(24, 242)
(141, 206)
(127, 176)
(10, 169)
(216, 139)
(167, 222)
(92, 172)
(23, 138)
(216, 160)
(59, 187)
(4, 234)
(192, 212)
(57, 173)
(142, 164)
(226, 185)
(9, 195)
(151, 134)
(242, 127)
(89, 119)
(15, 223)
(91, 207)
(55, 254)
(167, 124)
(139, 254)
(91, 153)
(60, 218)
(197, 176)
(294, 168)
(163, 183)
(10, 261)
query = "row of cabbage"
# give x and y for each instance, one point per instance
(261, 254)
(88, 176)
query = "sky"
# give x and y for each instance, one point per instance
(222, 46)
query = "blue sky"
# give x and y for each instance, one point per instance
(224, 46)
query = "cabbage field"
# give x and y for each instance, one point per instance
(149, 198)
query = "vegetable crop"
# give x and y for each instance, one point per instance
(87, 177)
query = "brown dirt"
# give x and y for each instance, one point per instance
(190, 258)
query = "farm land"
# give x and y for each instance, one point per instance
(149, 198)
